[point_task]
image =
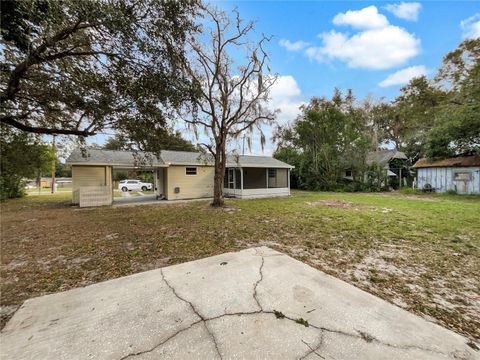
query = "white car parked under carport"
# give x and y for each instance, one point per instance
(134, 185)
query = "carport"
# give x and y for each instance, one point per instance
(92, 174)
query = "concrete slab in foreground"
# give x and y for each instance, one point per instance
(244, 305)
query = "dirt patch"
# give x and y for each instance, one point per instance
(424, 259)
(342, 204)
(331, 203)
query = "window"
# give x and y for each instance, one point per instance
(348, 173)
(462, 176)
(272, 173)
(132, 182)
(191, 171)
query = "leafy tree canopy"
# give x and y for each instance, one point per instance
(22, 156)
(77, 67)
(439, 117)
(331, 136)
(149, 139)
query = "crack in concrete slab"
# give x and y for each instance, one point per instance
(370, 339)
(321, 328)
(161, 343)
(203, 319)
(260, 271)
(312, 350)
(266, 312)
(179, 297)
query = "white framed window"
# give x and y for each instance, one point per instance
(190, 171)
(348, 173)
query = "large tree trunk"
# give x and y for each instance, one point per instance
(220, 163)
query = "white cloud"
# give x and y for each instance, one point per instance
(366, 18)
(405, 10)
(285, 87)
(378, 45)
(293, 46)
(285, 96)
(375, 49)
(471, 27)
(403, 76)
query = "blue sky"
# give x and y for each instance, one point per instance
(370, 47)
(437, 28)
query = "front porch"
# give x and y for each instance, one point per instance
(256, 182)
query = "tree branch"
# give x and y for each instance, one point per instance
(11, 120)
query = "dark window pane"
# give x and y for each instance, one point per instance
(191, 171)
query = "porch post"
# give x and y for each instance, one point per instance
(111, 183)
(241, 179)
(288, 180)
(266, 177)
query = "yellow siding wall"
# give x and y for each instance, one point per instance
(91, 176)
(191, 186)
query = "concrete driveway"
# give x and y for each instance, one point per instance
(253, 304)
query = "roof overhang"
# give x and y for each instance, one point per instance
(123, 166)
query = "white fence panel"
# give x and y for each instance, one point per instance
(95, 196)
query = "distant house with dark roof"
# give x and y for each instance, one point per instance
(460, 174)
(382, 158)
(177, 174)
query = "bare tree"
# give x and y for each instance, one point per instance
(232, 97)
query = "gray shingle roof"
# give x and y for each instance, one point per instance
(113, 157)
(185, 158)
(167, 157)
(382, 157)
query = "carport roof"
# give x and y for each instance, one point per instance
(91, 156)
(120, 158)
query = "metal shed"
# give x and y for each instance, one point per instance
(460, 174)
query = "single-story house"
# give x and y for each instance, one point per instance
(381, 158)
(177, 174)
(460, 174)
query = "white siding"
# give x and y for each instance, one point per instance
(442, 179)
(257, 193)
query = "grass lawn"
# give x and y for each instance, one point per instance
(419, 252)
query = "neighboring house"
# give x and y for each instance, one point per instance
(381, 158)
(177, 174)
(460, 174)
